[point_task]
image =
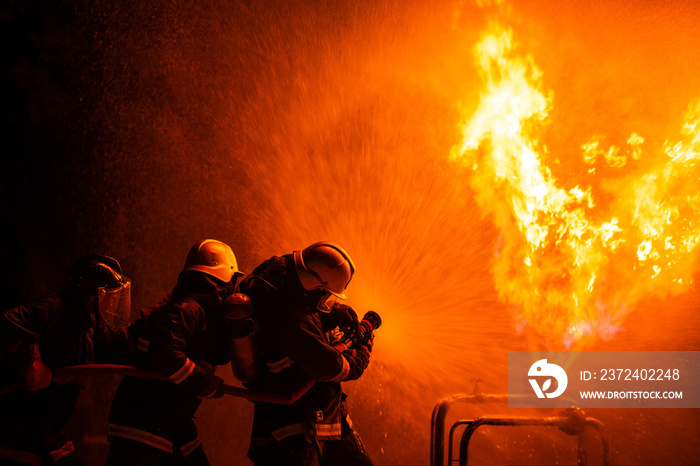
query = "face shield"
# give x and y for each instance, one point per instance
(114, 304)
(325, 304)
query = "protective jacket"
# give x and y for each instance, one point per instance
(184, 338)
(295, 345)
(65, 333)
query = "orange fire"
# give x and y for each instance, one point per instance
(574, 260)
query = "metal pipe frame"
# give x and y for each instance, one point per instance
(437, 422)
(574, 424)
(450, 441)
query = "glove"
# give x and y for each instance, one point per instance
(37, 375)
(212, 387)
(209, 385)
(346, 318)
(358, 359)
(369, 341)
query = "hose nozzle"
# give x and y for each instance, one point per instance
(370, 322)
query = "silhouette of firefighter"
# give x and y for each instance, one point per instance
(79, 324)
(184, 337)
(294, 297)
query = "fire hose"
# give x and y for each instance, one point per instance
(370, 321)
(67, 374)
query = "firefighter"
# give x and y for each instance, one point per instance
(294, 297)
(79, 324)
(151, 422)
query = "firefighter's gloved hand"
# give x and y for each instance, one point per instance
(369, 342)
(358, 359)
(212, 387)
(346, 317)
(37, 375)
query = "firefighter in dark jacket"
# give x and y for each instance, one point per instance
(79, 324)
(152, 422)
(294, 299)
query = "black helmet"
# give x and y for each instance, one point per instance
(96, 271)
(102, 276)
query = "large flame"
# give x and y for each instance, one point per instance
(571, 266)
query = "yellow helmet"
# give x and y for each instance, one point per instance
(213, 258)
(324, 266)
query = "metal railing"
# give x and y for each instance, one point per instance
(571, 423)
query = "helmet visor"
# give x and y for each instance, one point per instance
(325, 304)
(115, 304)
